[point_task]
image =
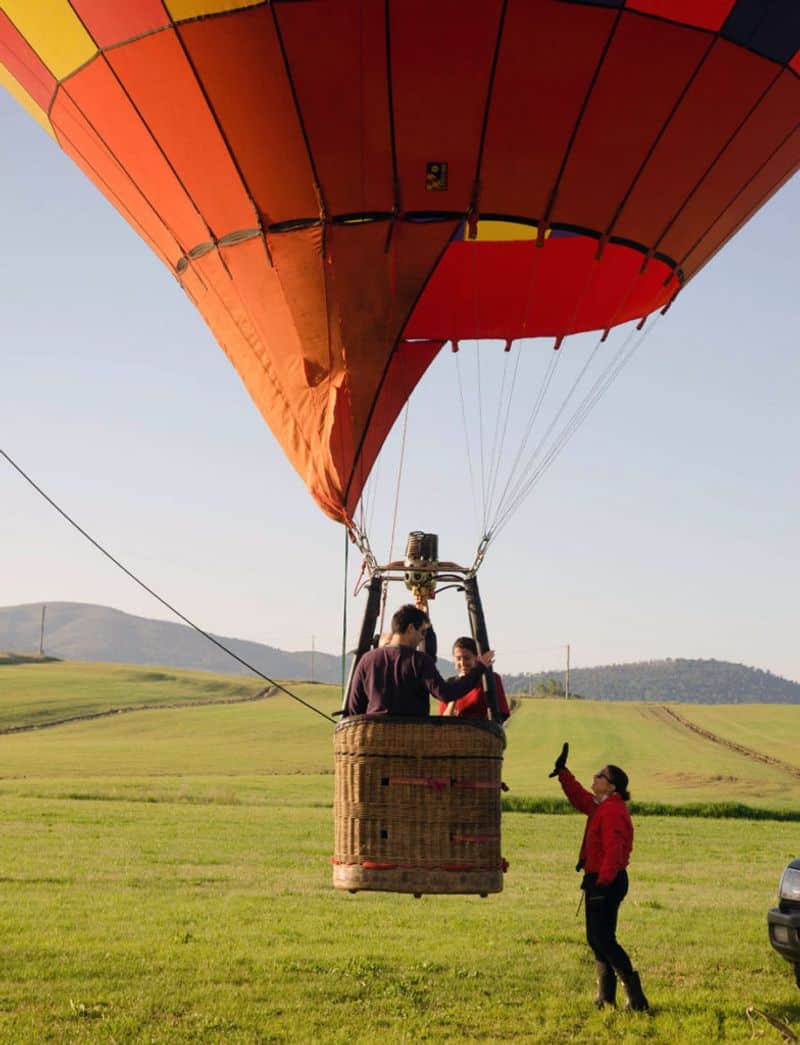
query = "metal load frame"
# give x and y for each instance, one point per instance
(425, 576)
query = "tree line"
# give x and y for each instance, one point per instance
(688, 681)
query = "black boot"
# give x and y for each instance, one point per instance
(606, 985)
(634, 993)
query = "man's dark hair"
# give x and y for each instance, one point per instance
(465, 642)
(408, 615)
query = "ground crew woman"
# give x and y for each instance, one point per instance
(605, 852)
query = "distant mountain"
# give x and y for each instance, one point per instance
(77, 631)
(689, 681)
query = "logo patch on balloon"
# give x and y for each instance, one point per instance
(436, 177)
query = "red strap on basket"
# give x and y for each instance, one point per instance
(437, 783)
(473, 838)
(372, 866)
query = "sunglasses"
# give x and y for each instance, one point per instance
(602, 776)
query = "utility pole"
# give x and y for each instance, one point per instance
(566, 685)
(312, 657)
(41, 632)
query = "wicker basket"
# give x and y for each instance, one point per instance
(417, 805)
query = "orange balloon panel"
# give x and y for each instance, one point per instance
(342, 188)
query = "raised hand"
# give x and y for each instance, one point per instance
(561, 761)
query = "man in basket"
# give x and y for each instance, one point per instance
(399, 679)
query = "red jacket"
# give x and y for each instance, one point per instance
(608, 838)
(474, 704)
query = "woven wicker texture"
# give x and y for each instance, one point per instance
(417, 805)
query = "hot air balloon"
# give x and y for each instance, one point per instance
(331, 182)
(344, 187)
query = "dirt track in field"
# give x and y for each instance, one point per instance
(262, 694)
(671, 717)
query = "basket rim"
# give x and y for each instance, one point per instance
(436, 721)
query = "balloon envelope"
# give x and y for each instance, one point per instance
(342, 187)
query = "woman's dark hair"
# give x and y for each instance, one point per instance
(619, 778)
(465, 642)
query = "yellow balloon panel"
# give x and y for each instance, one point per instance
(506, 231)
(25, 100)
(54, 32)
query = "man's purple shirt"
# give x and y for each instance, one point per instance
(399, 680)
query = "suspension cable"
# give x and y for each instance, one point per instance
(555, 359)
(385, 592)
(344, 609)
(478, 384)
(504, 412)
(169, 606)
(600, 386)
(519, 482)
(470, 469)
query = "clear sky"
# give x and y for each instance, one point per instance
(667, 527)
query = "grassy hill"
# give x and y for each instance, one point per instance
(190, 727)
(35, 692)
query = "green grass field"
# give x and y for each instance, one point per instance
(41, 693)
(166, 878)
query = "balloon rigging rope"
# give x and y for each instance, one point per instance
(504, 411)
(480, 434)
(598, 389)
(509, 496)
(368, 502)
(470, 468)
(344, 609)
(369, 515)
(171, 608)
(552, 366)
(396, 509)
(536, 466)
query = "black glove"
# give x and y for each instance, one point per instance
(561, 761)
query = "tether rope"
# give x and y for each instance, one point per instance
(171, 608)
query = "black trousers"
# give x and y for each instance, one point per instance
(602, 906)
